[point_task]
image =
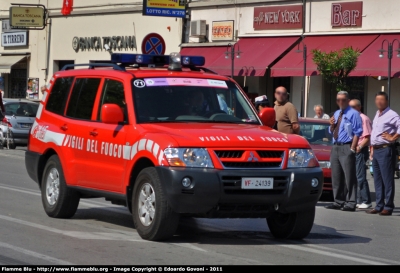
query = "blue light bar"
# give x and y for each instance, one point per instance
(193, 60)
(145, 60)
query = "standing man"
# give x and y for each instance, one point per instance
(362, 155)
(286, 114)
(319, 112)
(385, 132)
(346, 128)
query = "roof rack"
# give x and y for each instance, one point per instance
(196, 68)
(93, 65)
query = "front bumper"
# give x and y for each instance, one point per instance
(218, 194)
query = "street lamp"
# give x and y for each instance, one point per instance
(390, 56)
(232, 54)
(303, 91)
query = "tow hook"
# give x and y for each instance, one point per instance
(276, 206)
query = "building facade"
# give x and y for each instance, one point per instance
(78, 38)
(272, 36)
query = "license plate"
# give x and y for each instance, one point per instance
(256, 183)
(25, 125)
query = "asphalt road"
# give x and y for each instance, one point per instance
(103, 234)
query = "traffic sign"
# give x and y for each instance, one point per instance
(153, 44)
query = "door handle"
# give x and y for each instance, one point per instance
(64, 127)
(93, 133)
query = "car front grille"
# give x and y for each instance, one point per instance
(229, 154)
(257, 159)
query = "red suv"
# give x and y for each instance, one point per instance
(166, 137)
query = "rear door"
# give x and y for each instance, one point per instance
(76, 127)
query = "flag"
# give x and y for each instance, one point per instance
(67, 7)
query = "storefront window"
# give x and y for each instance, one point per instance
(18, 83)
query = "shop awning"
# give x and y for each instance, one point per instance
(257, 54)
(292, 63)
(6, 62)
(370, 64)
(211, 53)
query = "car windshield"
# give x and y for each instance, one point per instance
(21, 109)
(317, 133)
(160, 100)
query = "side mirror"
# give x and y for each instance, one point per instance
(111, 114)
(267, 116)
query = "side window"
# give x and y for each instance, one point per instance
(58, 95)
(113, 92)
(82, 99)
(11, 108)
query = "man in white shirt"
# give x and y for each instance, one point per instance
(319, 112)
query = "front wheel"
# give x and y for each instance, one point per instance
(58, 200)
(295, 225)
(153, 217)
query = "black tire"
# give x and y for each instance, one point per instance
(67, 202)
(295, 225)
(165, 221)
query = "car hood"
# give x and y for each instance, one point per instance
(322, 152)
(225, 135)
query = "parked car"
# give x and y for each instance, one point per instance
(317, 134)
(19, 116)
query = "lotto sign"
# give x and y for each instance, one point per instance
(166, 8)
(153, 44)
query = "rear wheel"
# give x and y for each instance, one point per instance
(295, 225)
(153, 217)
(58, 200)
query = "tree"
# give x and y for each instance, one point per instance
(336, 66)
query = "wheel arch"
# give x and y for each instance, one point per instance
(42, 164)
(139, 165)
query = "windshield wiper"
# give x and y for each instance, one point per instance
(226, 121)
(164, 121)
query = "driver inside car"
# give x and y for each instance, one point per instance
(196, 103)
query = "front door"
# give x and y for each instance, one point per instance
(107, 142)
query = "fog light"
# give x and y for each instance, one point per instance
(314, 182)
(291, 177)
(186, 182)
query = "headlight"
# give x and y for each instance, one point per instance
(302, 158)
(325, 164)
(188, 157)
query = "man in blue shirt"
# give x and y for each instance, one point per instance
(346, 128)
